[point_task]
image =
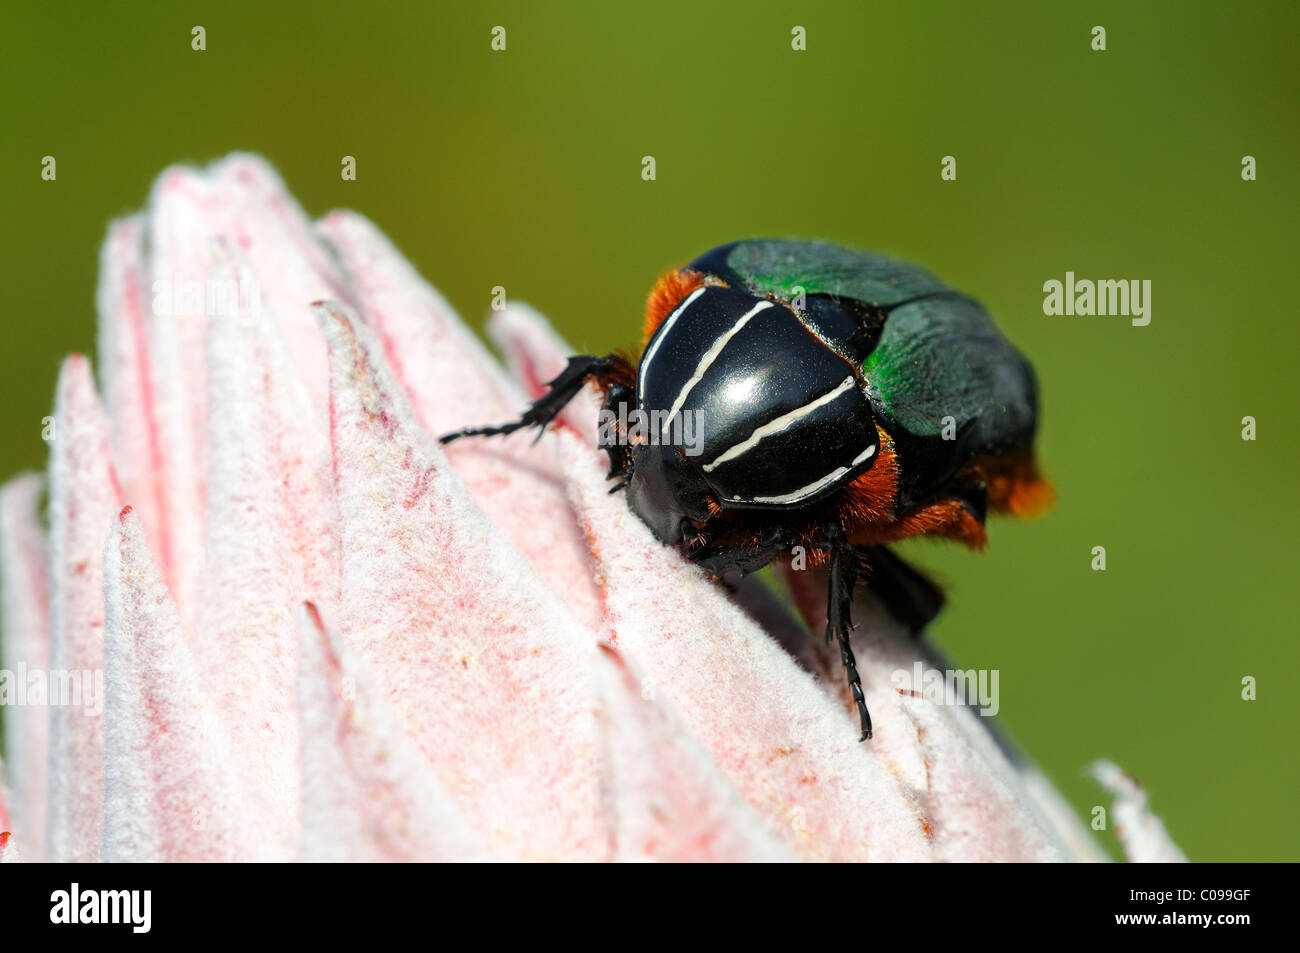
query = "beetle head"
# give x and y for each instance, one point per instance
(667, 491)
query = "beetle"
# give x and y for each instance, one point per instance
(843, 400)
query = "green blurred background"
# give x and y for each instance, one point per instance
(523, 169)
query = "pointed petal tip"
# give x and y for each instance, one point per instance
(535, 354)
(345, 217)
(84, 497)
(119, 258)
(528, 341)
(175, 177)
(313, 614)
(248, 167)
(331, 313)
(75, 388)
(1141, 833)
(1114, 778)
(316, 640)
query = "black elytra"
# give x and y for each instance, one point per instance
(778, 411)
(762, 395)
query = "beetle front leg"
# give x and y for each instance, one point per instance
(844, 571)
(741, 557)
(547, 407)
(617, 399)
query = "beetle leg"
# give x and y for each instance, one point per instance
(844, 570)
(908, 595)
(620, 457)
(743, 558)
(547, 407)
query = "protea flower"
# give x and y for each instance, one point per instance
(322, 637)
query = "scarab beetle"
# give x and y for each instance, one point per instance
(841, 401)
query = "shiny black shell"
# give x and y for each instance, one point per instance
(795, 351)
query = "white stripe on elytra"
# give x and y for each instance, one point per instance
(663, 333)
(710, 356)
(784, 422)
(811, 488)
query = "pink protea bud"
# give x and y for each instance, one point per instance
(323, 637)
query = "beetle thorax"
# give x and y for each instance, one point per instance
(746, 404)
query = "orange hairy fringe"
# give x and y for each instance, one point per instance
(867, 509)
(667, 293)
(1015, 484)
(870, 498)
